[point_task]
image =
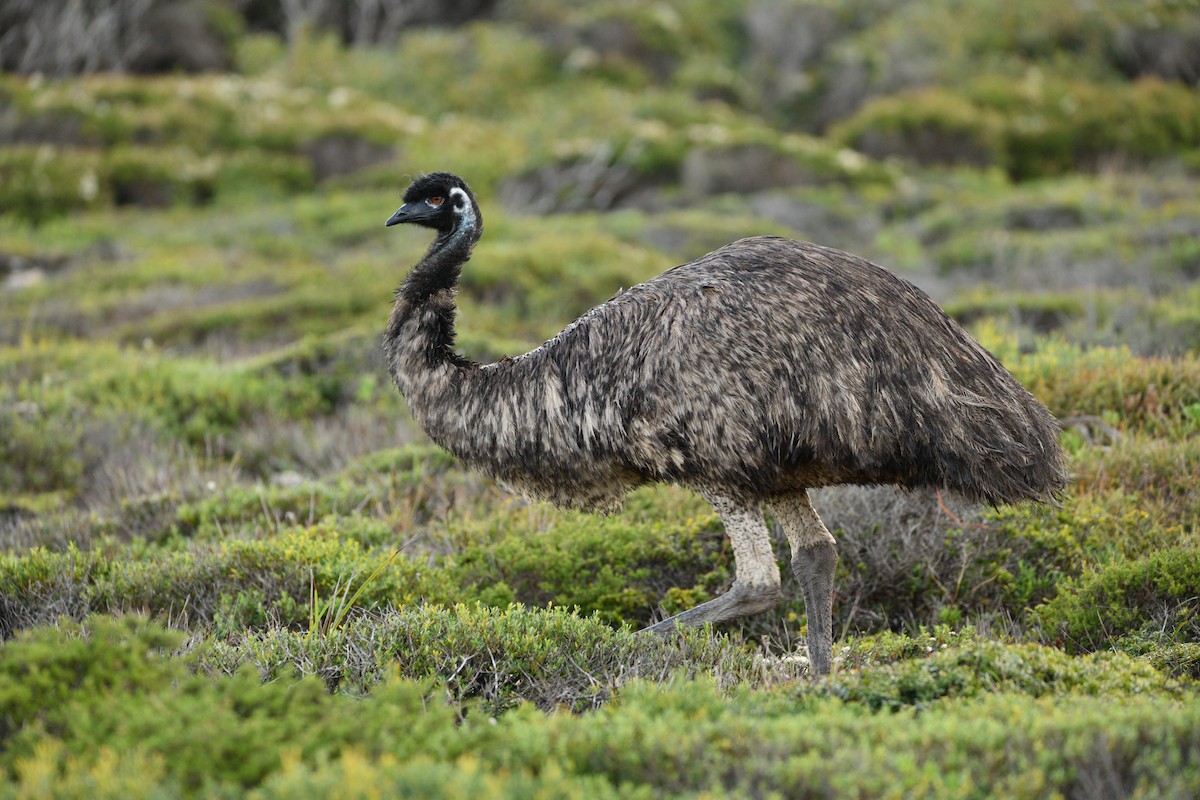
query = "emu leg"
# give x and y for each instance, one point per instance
(756, 587)
(814, 560)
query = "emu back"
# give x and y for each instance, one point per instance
(766, 367)
(772, 365)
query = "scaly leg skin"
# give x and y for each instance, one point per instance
(756, 587)
(814, 561)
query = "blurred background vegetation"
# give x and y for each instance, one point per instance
(196, 424)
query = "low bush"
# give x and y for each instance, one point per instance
(1031, 129)
(913, 559)
(1140, 597)
(1154, 396)
(41, 183)
(929, 126)
(551, 658)
(554, 658)
(38, 184)
(291, 579)
(977, 668)
(1002, 720)
(415, 482)
(619, 569)
(1163, 473)
(1181, 659)
(113, 692)
(684, 740)
(40, 448)
(1148, 325)
(39, 586)
(193, 398)
(1043, 312)
(48, 668)
(1060, 126)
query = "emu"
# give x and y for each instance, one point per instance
(751, 375)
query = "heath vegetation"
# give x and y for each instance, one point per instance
(231, 565)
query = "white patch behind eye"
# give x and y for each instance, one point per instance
(464, 208)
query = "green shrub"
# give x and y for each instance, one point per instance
(1152, 395)
(1148, 325)
(1175, 659)
(450, 70)
(620, 570)
(110, 775)
(1032, 129)
(929, 126)
(39, 449)
(1043, 312)
(977, 668)
(234, 584)
(913, 559)
(39, 586)
(1166, 473)
(566, 273)
(109, 690)
(551, 658)
(405, 477)
(685, 740)
(48, 668)
(357, 775)
(123, 705)
(38, 184)
(143, 177)
(196, 399)
(837, 750)
(285, 569)
(1056, 127)
(1154, 594)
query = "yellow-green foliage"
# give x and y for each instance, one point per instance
(971, 669)
(931, 125)
(193, 398)
(40, 183)
(233, 584)
(501, 656)
(1032, 128)
(1157, 396)
(519, 281)
(629, 565)
(1150, 596)
(200, 735)
(386, 480)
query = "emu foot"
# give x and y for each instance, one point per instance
(741, 600)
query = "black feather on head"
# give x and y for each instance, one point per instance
(435, 184)
(441, 201)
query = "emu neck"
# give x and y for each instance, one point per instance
(439, 269)
(419, 342)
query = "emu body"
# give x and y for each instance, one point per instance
(759, 371)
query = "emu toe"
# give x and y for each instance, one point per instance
(741, 600)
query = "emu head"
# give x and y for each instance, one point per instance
(440, 201)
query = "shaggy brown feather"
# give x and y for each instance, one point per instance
(765, 367)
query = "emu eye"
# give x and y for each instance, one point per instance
(434, 202)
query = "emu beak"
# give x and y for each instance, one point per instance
(403, 214)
